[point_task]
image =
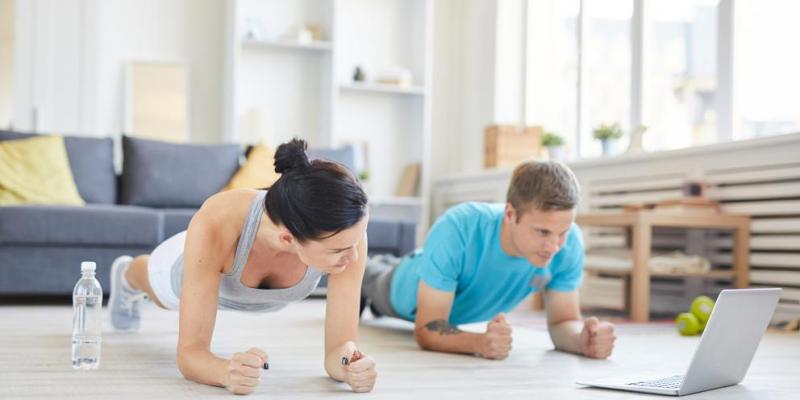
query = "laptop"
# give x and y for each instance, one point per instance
(738, 322)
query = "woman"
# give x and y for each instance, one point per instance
(233, 258)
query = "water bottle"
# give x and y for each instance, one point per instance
(87, 305)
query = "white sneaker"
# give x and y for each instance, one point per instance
(124, 301)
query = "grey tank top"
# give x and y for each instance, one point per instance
(233, 295)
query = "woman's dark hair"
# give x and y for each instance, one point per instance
(313, 198)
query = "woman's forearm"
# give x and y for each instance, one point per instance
(333, 364)
(202, 366)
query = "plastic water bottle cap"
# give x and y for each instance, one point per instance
(88, 266)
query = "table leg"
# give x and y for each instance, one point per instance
(741, 255)
(640, 276)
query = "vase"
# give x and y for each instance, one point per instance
(607, 146)
(555, 153)
(636, 144)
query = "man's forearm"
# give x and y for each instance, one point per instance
(439, 335)
(566, 336)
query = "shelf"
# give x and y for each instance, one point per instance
(664, 219)
(713, 274)
(396, 200)
(316, 45)
(383, 88)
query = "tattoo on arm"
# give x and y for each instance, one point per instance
(443, 327)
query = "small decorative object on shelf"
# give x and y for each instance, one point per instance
(606, 134)
(304, 35)
(395, 76)
(409, 181)
(694, 188)
(363, 178)
(554, 144)
(358, 74)
(253, 28)
(316, 31)
(637, 138)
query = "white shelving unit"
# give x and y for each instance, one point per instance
(318, 45)
(277, 87)
(414, 90)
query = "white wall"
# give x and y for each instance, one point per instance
(6, 61)
(508, 63)
(463, 83)
(48, 65)
(446, 74)
(187, 31)
(71, 58)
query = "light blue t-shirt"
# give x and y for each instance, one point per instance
(462, 254)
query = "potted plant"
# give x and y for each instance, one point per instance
(607, 133)
(554, 144)
(363, 178)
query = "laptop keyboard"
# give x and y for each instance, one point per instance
(673, 382)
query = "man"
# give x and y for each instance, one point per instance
(481, 260)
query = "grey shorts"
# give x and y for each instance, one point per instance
(377, 283)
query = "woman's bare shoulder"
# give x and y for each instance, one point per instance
(226, 211)
(230, 199)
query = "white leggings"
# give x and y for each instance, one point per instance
(159, 269)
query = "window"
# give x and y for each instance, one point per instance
(767, 68)
(681, 83)
(607, 68)
(552, 68)
(679, 76)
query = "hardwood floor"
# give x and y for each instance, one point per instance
(35, 351)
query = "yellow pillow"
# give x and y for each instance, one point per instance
(257, 172)
(36, 171)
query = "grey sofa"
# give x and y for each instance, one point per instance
(160, 188)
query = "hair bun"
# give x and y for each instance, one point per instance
(291, 156)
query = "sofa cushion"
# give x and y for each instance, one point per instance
(171, 175)
(92, 163)
(344, 155)
(175, 220)
(91, 225)
(258, 170)
(36, 171)
(388, 236)
(12, 135)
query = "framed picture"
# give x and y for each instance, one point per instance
(157, 101)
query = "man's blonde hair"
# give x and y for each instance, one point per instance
(543, 185)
